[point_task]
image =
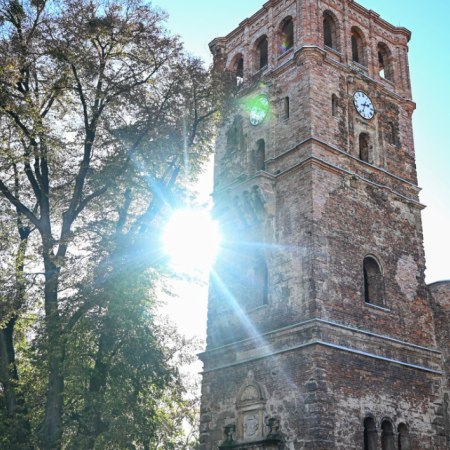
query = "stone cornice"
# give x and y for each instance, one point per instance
(328, 334)
(244, 180)
(369, 14)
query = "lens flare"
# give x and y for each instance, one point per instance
(191, 239)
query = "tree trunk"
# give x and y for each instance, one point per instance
(97, 385)
(15, 402)
(50, 430)
(9, 376)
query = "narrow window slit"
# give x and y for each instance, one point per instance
(286, 108)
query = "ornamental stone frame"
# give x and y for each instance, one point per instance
(250, 405)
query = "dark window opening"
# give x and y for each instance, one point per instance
(260, 157)
(286, 108)
(373, 282)
(355, 54)
(357, 47)
(330, 37)
(327, 36)
(240, 71)
(387, 436)
(263, 50)
(287, 36)
(235, 135)
(370, 434)
(403, 437)
(334, 105)
(261, 281)
(257, 293)
(364, 147)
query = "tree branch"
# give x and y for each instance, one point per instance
(19, 205)
(90, 197)
(79, 88)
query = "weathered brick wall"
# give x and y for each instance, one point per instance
(310, 75)
(289, 270)
(351, 223)
(325, 357)
(321, 396)
(358, 387)
(440, 294)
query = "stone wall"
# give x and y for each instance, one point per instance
(440, 293)
(292, 335)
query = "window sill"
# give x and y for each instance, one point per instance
(262, 70)
(381, 308)
(257, 308)
(333, 53)
(385, 80)
(360, 66)
(289, 50)
(331, 49)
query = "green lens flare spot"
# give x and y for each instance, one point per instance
(259, 109)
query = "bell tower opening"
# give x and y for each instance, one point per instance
(263, 52)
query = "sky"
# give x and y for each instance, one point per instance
(200, 21)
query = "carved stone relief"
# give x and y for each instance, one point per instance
(250, 405)
(250, 393)
(251, 425)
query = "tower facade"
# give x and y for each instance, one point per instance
(321, 329)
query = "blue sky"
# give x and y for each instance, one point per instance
(200, 21)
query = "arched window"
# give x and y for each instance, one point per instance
(357, 47)
(387, 436)
(385, 62)
(257, 292)
(260, 155)
(334, 105)
(403, 437)
(235, 135)
(330, 38)
(286, 108)
(261, 281)
(370, 434)
(263, 52)
(364, 147)
(287, 35)
(373, 282)
(239, 69)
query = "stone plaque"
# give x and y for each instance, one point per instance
(251, 425)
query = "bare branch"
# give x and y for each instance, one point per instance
(19, 205)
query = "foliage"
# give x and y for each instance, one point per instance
(101, 113)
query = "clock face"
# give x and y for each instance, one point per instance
(363, 105)
(259, 110)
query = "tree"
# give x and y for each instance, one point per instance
(100, 110)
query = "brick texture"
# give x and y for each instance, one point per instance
(288, 314)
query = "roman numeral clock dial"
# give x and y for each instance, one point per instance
(363, 105)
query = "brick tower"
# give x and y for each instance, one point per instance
(321, 329)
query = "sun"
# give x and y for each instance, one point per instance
(191, 240)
